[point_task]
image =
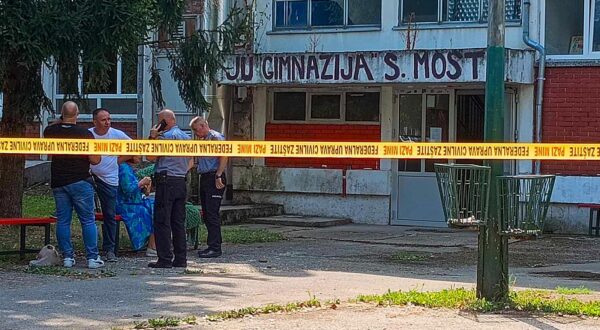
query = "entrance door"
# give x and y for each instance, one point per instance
(436, 116)
(423, 117)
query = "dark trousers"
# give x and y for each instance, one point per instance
(108, 200)
(169, 219)
(210, 199)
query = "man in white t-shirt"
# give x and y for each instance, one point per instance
(106, 175)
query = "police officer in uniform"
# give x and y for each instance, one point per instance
(171, 195)
(212, 186)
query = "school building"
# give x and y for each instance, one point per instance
(386, 70)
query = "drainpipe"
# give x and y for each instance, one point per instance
(540, 77)
(139, 103)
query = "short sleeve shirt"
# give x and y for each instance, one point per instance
(209, 164)
(173, 166)
(68, 169)
(108, 169)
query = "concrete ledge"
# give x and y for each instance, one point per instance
(233, 214)
(358, 208)
(36, 172)
(300, 221)
(567, 219)
(576, 189)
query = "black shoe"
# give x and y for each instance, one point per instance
(159, 264)
(179, 264)
(210, 254)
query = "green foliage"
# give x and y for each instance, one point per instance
(73, 33)
(236, 235)
(528, 300)
(69, 272)
(580, 290)
(541, 301)
(268, 309)
(35, 205)
(196, 60)
(165, 322)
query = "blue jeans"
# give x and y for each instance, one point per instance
(108, 200)
(78, 195)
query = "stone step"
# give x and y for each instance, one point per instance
(299, 221)
(235, 214)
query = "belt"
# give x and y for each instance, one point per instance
(209, 172)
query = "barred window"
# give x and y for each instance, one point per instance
(428, 11)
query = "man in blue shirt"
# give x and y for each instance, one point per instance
(212, 186)
(171, 195)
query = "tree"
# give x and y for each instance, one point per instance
(69, 34)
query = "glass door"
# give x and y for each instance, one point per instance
(423, 118)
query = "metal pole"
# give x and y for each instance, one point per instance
(492, 268)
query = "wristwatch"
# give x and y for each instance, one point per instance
(218, 176)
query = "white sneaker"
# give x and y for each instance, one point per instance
(68, 262)
(151, 252)
(95, 263)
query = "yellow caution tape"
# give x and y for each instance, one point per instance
(405, 150)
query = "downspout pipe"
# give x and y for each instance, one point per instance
(540, 77)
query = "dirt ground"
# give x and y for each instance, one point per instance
(410, 317)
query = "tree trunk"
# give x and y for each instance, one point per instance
(17, 109)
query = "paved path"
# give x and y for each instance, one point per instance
(329, 263)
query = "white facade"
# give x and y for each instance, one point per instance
(395, 191)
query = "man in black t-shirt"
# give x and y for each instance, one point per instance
(72, 187)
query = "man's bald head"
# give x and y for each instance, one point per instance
(168, 116)
(69, 111)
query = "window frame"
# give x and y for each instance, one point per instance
(341, 110)
(440, 20)
(98, 97)
(588, 26)
(322, 91)
(309, 26)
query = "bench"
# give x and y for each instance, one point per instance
(24, 223)
(594, 208)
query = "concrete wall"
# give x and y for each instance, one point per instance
(391, 35)
(363, 197)
(564, 216)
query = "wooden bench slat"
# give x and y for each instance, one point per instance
(26, 221)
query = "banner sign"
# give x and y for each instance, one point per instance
(400, 150)
(415, 66)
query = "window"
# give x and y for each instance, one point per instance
(423, 118)
(572, 28)
(356, 106)
(290, 14)
(362, 106)
(190, 24)
(438, 11)
(325, 106)
(119, 94)
(289, 106)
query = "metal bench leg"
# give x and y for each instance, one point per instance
(22, 241)
(591, 221)
(597, 222)
(46, 234)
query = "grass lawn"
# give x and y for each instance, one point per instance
(535, 301)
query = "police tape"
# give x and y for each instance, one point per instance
(404, 150)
